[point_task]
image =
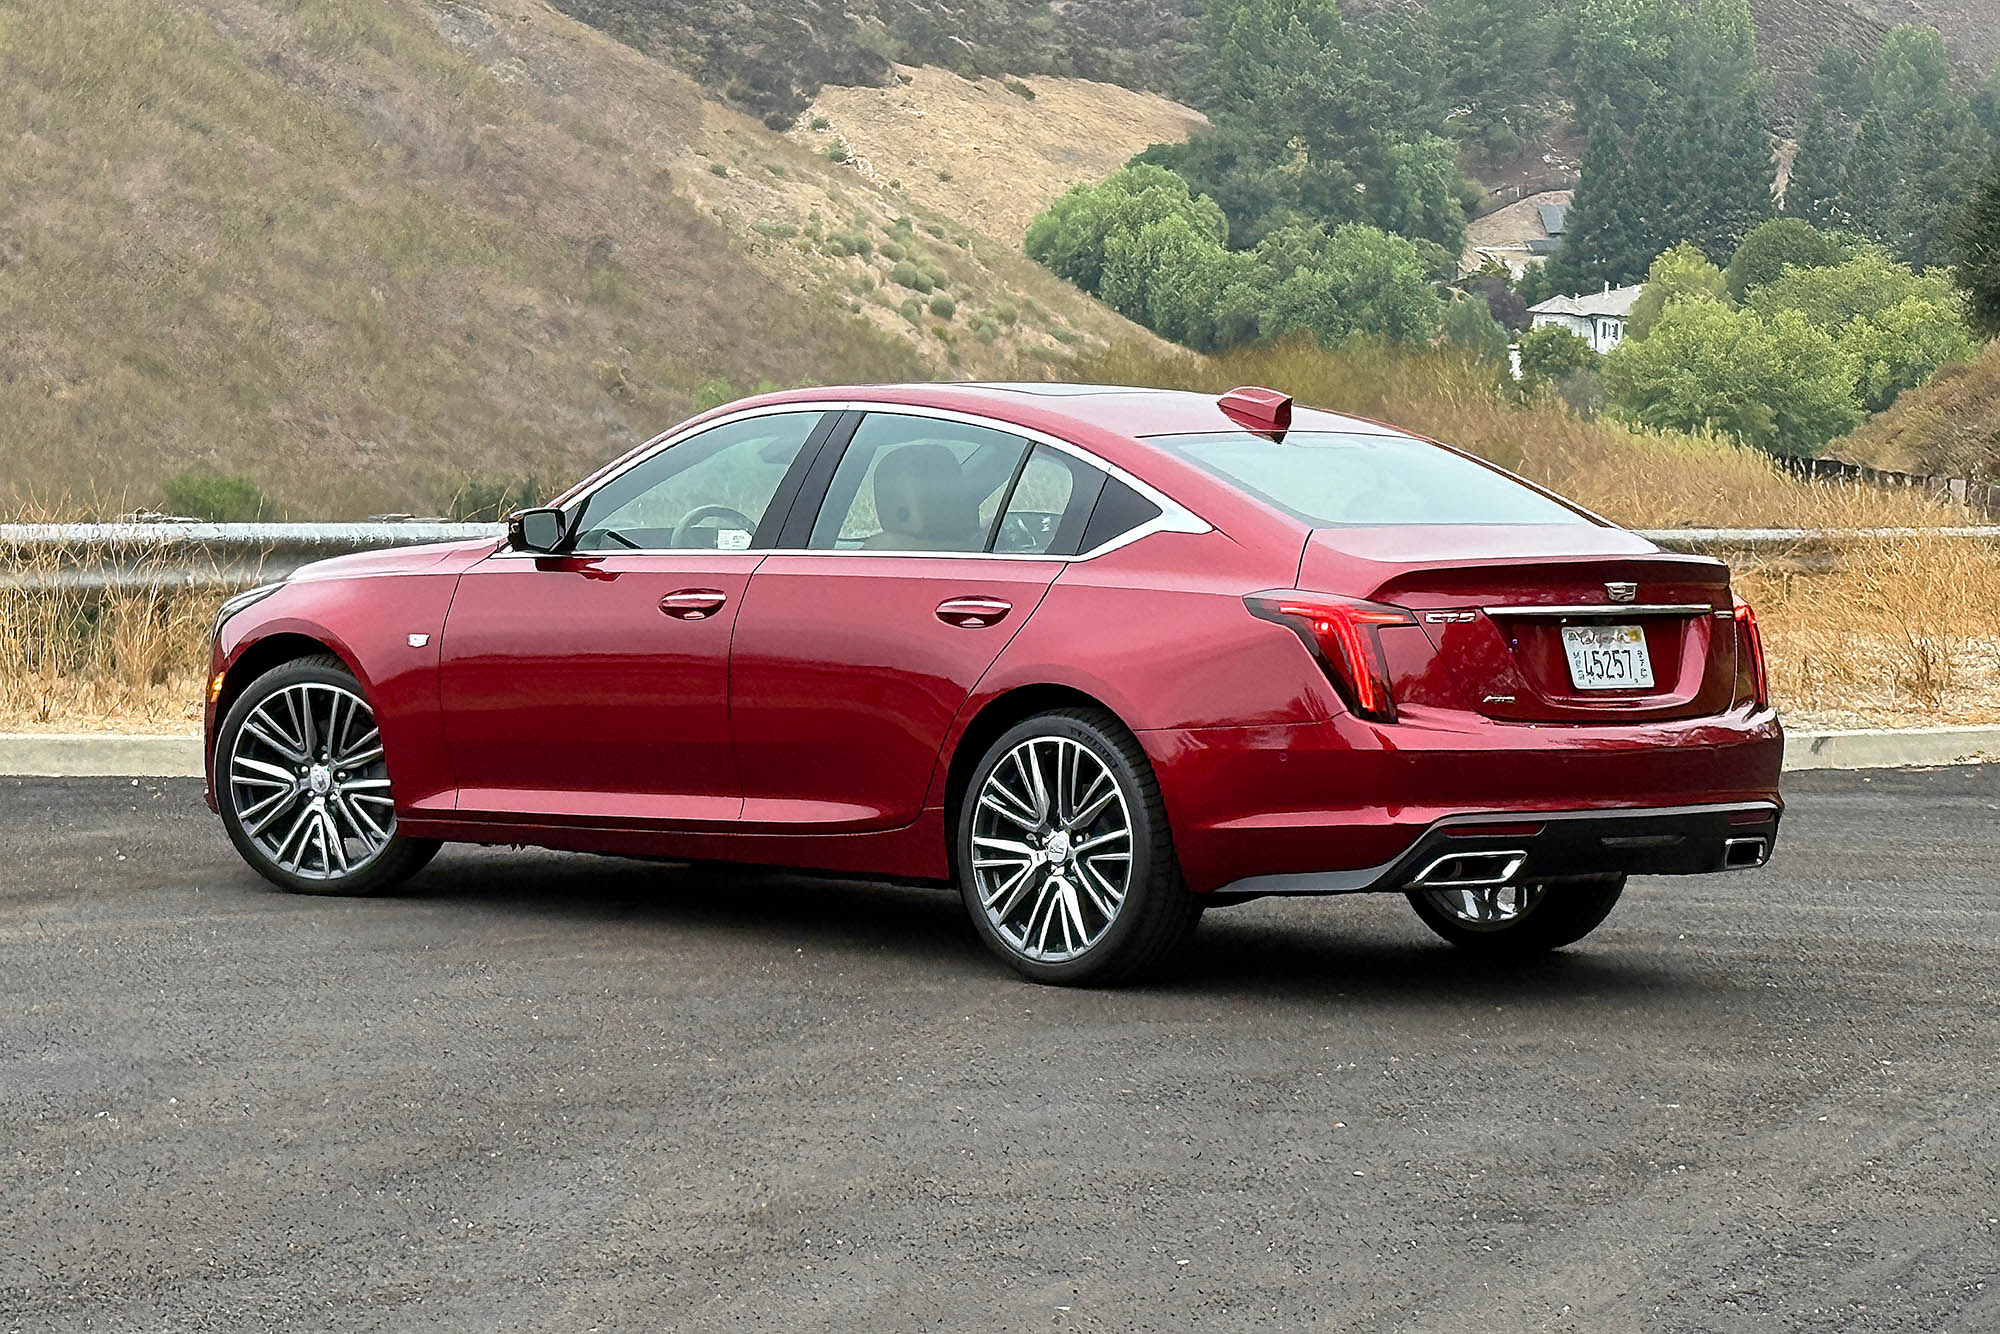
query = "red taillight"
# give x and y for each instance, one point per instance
(1344, 634)
(1750, 654)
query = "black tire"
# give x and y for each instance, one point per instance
(1565, 913)
(1157, 914)
(400, 859)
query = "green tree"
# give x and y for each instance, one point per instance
(1780, 385)
(1357, 280)
(1470, 324)
(1620, 53)
(1702, 169)
(1774, 246)
(1071, 235)
(1813, 191)
(1917, 149)
(1976, 243)
(1316, 120)
(1550, 354)
(1600, 244)
(1681, 273)
(1169, 276)
(1893, 325)
(1497, 59)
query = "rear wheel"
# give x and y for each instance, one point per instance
(1066, 863)
(303, 785)
(1518, 921)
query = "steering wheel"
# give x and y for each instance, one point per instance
(692, 519)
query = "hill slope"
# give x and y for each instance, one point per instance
(1949, 426)
(364, 251)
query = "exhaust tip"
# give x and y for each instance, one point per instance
(1742, 854)
(1471, 870)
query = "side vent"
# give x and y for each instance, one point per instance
(1259, 409)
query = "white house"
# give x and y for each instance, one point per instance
(1599, 318)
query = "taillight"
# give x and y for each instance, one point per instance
(1344, 634)
(1750, 655)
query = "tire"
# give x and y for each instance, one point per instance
(1561, 914)
(257, 808)
(1054, 926)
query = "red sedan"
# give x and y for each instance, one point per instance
(1099, 657)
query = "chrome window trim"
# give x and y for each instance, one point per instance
(1173, 517)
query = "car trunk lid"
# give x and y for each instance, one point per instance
(1493, 603)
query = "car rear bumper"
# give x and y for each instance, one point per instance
(1479, 850)
(1344, 806)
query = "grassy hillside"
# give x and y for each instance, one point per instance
(367, 251)
(1949, 426)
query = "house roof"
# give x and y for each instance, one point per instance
(1555, 217)
(1613, 301)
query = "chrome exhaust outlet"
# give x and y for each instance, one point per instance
(1471, 870)
(1742, 854)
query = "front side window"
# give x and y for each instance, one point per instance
(709, 492)
(1334, 479)
(918, 484)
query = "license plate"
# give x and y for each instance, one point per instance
(1607, 657)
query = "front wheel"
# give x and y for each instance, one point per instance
(303, 785)
(1518, 921)
(1065, 860)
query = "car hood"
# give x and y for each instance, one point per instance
(398, 560)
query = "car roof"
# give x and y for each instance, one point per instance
(1125, 410)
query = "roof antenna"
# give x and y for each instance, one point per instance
(1265, 411)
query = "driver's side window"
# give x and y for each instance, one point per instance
(709, 492)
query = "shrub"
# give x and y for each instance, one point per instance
(913, 310)
(711, 393)
(943, 306)
(1019, 89)
(1552, 352)
(718, 169)
(944, 176)
(891, 251)
(906, 274)
(838, 152)
(216, 497)
(849, 243)
(821, 123)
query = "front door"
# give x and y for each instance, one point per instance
(593, 687)
(933, 545)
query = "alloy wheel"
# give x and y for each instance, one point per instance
(1487, 907)
(309, 784)
(1051, 848)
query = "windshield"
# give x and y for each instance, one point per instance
(1333, 479)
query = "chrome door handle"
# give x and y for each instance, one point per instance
(693, 604)
(972, 613)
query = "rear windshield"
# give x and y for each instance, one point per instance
(1331, 479)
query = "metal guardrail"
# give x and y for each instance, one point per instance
(157, 557)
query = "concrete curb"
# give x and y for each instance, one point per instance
(98, 755)
(109, 755)
(1891, 748)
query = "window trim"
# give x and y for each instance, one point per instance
(1173, 517)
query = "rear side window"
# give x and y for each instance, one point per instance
(1049, 506)
(1332, 479)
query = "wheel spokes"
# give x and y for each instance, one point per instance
(308, 781)
(1051, 855)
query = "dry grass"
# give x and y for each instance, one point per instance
(1642, 479)
(364, 251)
(983, 154)
(79, 659)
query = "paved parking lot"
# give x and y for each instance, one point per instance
(541, 1091)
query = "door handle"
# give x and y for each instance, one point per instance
(973, 612)
(693, 604)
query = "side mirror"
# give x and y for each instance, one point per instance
(539, 529)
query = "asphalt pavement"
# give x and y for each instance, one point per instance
(539, 1091)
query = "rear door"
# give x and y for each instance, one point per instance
(593, 687)
(914, 556)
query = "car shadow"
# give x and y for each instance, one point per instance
(1237, 952)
